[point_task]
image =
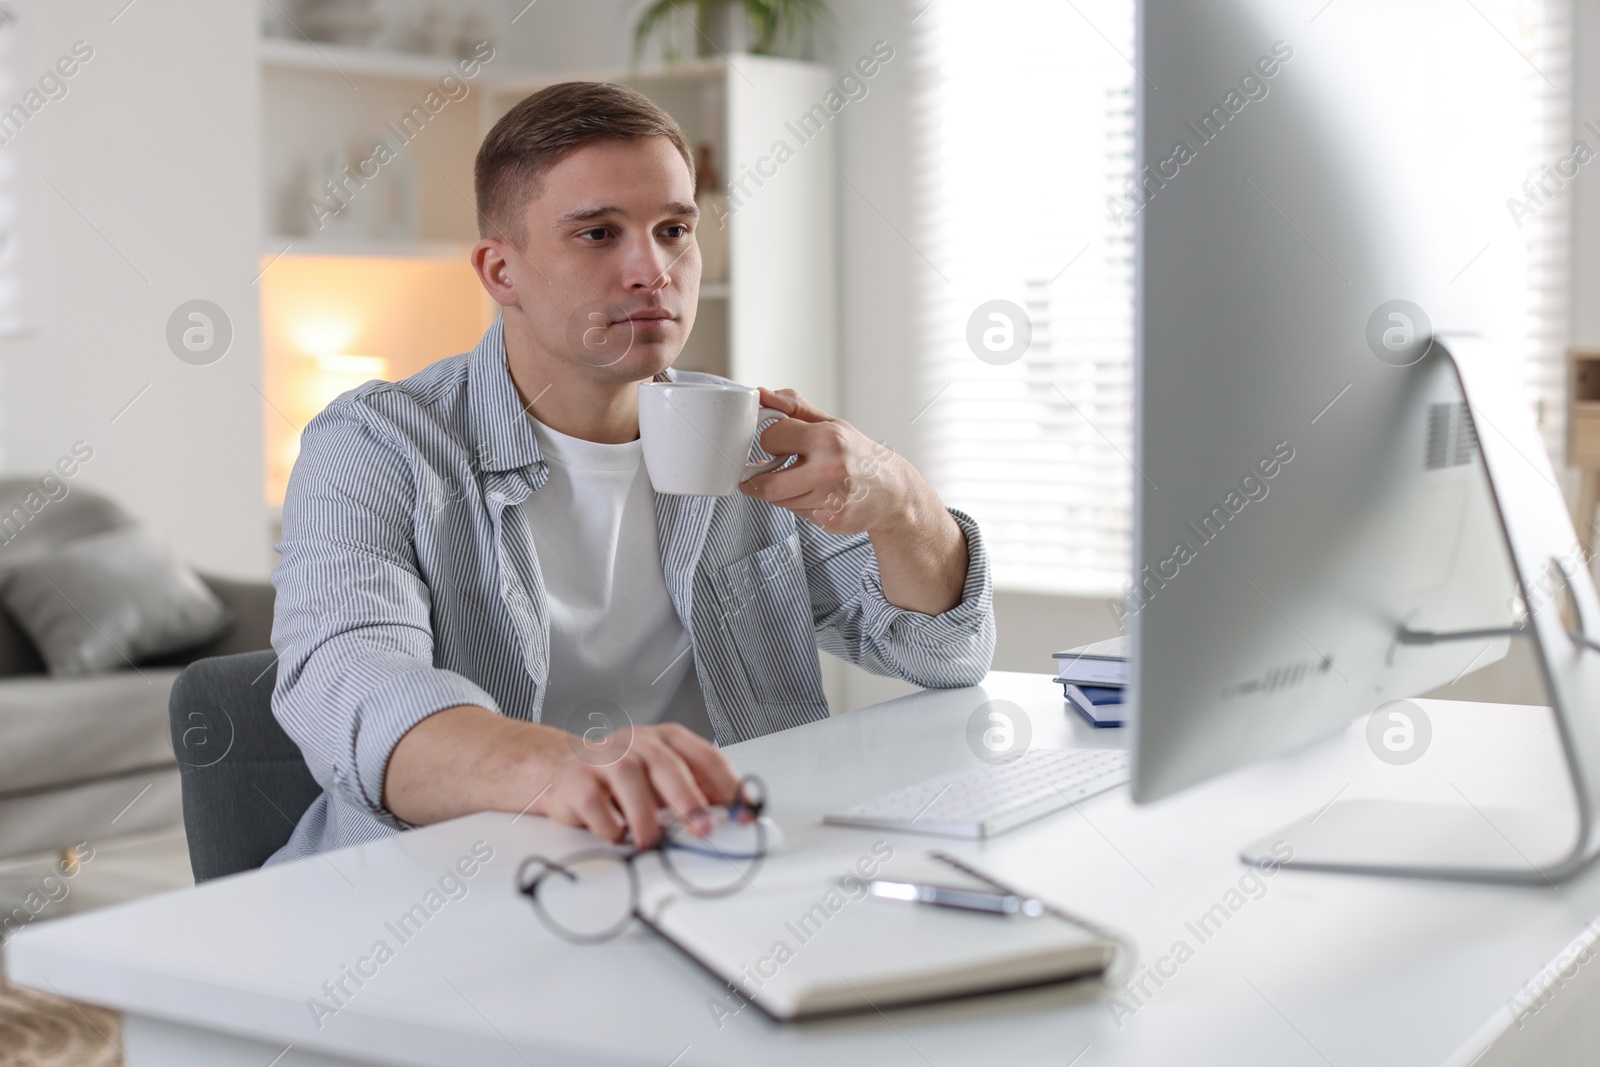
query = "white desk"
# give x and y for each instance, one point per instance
(1321, 969)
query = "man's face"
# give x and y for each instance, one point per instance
(609, 273)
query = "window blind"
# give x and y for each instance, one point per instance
(1026, 127)
(1547, 37)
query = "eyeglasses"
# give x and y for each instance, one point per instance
(591, 896)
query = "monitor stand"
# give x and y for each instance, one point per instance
(1407, 839)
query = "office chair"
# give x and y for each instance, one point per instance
(245, 784)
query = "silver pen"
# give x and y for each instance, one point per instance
(964, 899)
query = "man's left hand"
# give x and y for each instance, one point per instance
(846, 483)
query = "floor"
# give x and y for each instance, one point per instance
(39, 1030)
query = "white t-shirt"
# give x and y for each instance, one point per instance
(614, 634)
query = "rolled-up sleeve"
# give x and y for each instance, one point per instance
(855, 621)
(352, 625)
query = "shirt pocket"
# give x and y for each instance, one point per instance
(766, 615)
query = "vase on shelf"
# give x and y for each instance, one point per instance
(352, 22)
(436, 31)
(476, 29)
(723, 31)
(711, 232)
(395, 214)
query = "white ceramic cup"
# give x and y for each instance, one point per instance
(697, 436)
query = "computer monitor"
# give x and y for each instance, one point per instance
(1311, 487)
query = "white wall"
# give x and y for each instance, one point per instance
(153, 160)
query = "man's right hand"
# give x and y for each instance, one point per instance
(620, 784)
(467, 759)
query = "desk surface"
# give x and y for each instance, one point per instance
(1302, 968)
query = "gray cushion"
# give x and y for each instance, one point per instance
(106, 601)
(250, 605)
(37, 514)
(60, 732)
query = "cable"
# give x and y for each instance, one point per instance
(1433, 637)
(1584, 640)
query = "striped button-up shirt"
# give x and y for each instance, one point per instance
(410, 583)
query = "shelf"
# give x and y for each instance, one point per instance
(688, 71)
(335, 59)
(365, 246)
(343, 59)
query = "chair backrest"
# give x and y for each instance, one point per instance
(245, 784)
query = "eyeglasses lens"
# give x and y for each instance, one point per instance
(721, 862)
(588, 896)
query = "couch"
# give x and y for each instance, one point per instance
(86, 758)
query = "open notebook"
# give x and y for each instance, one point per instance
(807, 940)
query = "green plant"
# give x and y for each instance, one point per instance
(773, 22)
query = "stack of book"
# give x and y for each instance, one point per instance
(1094, 679)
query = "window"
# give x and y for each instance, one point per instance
(1026, 130)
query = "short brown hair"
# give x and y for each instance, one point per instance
(536, 134)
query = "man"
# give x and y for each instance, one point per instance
(475, 553)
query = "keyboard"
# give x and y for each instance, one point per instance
(989, 801)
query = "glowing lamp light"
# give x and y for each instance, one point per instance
(364, 368)
(319, 311)
(337, 373)
(322, 335)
